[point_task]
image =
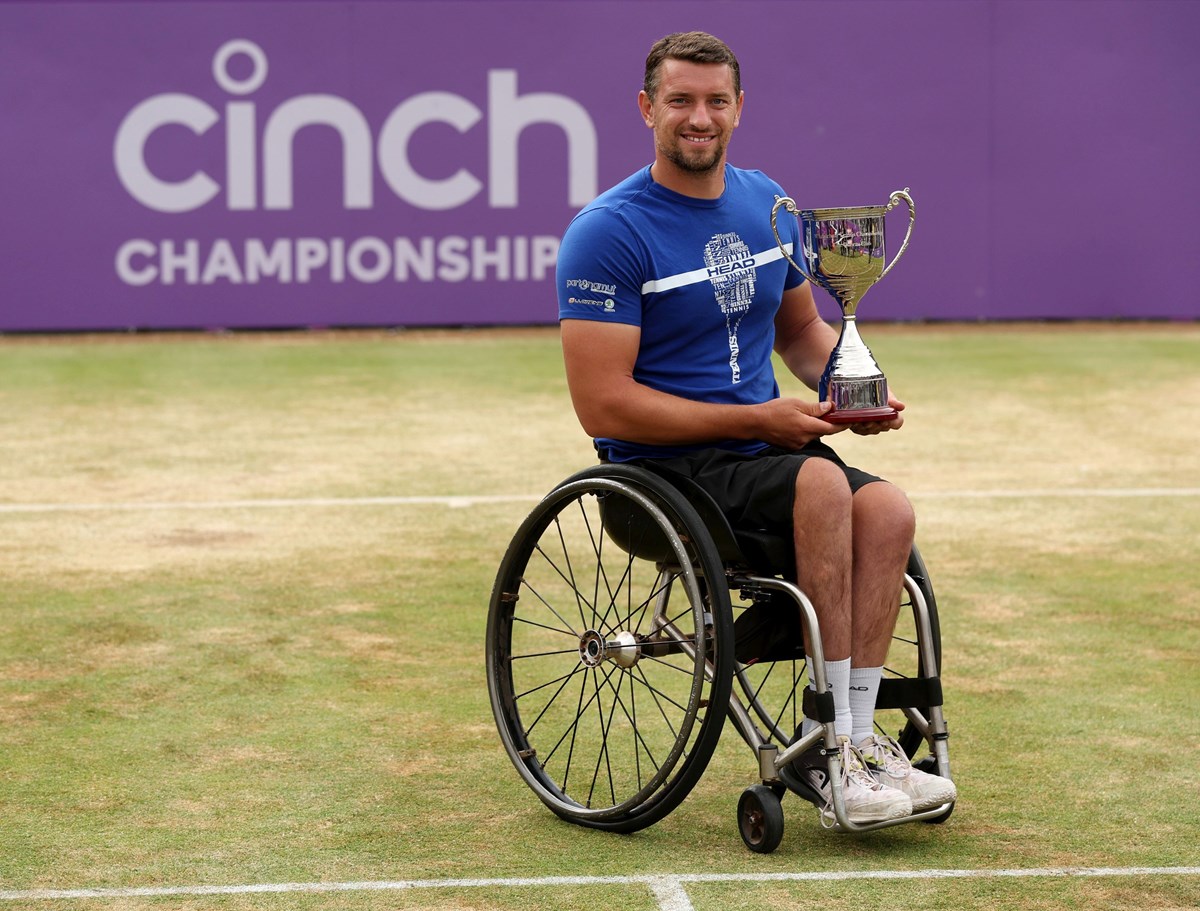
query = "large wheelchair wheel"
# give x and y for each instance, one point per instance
(610, 667)
(772, 672)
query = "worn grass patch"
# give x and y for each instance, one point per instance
(247, 694)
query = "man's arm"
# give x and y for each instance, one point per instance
(803, 341)
(609, 402)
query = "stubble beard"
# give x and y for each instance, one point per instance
(700, 161)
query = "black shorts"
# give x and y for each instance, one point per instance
(755, 492)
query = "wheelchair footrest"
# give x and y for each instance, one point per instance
(800, 787)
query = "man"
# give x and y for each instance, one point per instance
(672, 295)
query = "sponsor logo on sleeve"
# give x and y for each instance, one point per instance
(601, 294)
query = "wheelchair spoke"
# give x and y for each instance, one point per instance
(573, 727)
(572, 730)
(773, 693)
(638, 739)
(562, 651)
(687, 671)
(658, 693)
(527, 622)
(624, 582)
(639, 743)
(628, 622)
(603, 757)
(631, 717)
(766, 678)
(597, 550)
(597, 539)
(790, 702)
(683, 615)
(568, 578)
(605, 711)
(566, 678)
(602, 573)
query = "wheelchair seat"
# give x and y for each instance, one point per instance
(761, 551)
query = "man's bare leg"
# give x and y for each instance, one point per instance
(884, 524)
(825, 550)
(824, 554)
(827, 553)
(883, 528)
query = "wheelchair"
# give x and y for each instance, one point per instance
(628, 621)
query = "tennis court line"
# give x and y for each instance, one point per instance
(452, 501)
(668, 889)
(461, 501)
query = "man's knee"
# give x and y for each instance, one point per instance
(820, 480)
(824, 503)
(883, 505)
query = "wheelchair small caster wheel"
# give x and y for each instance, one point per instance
(760, 819)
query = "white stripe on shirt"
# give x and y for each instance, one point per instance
(659, 285)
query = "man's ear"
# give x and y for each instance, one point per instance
(646, 106)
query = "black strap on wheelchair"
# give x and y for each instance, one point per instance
(894, 693)
(905, 692)
(818, 706)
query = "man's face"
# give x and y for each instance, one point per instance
(693, 114)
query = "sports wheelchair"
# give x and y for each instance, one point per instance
(616, 649)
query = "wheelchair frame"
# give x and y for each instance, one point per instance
(559, 688)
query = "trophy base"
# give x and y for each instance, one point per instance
(860, 415)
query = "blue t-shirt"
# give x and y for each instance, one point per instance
(703, 278)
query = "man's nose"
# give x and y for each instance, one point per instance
(701, 119)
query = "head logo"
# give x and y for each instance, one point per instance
(507, 115)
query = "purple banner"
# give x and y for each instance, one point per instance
(275, 164)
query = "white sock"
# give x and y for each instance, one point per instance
(863, 686)
(837, 676)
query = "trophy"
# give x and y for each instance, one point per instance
(843, 252)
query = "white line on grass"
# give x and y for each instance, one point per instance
(1119, 493)
(667, 889)
(454, 502)
(460, 501)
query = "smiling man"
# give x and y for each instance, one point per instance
(673, 293)
(693, 109)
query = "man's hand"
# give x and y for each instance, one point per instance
(792, 423)
(870, 428)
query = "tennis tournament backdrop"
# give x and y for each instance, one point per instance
(270, 164)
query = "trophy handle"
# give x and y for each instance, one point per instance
(786, 202)
(912, 217)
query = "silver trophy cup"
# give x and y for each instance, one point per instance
(843, 252)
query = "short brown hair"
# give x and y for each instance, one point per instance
(694, 47)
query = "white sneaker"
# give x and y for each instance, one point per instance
(866, 799)
(890, 766)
